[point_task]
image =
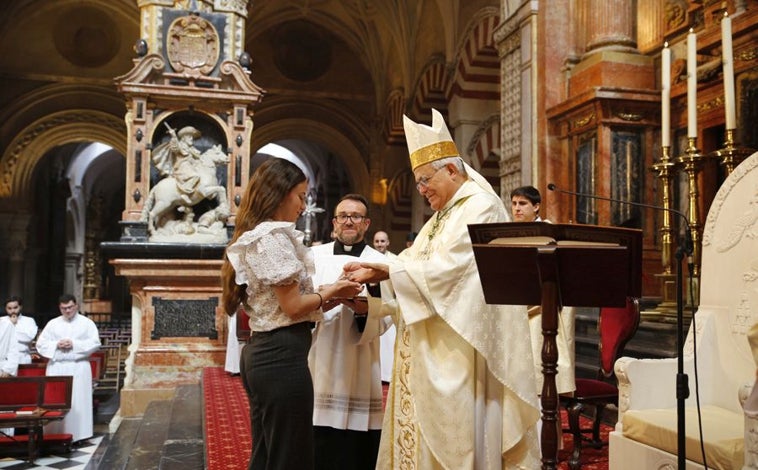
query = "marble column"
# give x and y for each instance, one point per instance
(577, 26)
(611, 58)
(611, 25)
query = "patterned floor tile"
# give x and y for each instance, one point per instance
(77, 459)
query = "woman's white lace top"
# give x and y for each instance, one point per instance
(272, 254)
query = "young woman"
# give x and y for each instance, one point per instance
(268, 271)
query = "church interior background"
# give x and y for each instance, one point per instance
(535, 92)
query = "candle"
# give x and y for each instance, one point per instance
(692, 84)
(666, 96)
(728, 71)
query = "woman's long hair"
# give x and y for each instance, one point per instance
(268, 186)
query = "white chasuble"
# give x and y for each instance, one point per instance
(463, 392)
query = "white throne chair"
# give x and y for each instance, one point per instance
(645, 436)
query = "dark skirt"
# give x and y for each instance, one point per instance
(275, 374)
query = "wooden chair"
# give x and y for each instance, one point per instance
(30, 402)
(616, 327)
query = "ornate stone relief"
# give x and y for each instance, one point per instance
(510, 107)
(193, 45)
(236, 6)
(675, 14)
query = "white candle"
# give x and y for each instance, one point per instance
(692, 84)
(666, 96)
(728, 70)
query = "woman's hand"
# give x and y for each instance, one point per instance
(342, 288)
(366, 272)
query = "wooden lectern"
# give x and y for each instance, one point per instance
(556, 265)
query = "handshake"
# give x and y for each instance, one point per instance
(365, 272)
(347, 288)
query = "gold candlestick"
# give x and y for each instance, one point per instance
(664, 169)
(731, 154)
(666, 310)
(691, 162)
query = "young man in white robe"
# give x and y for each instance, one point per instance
(344, 359)
(525, 207)
(8, 348)
(68, 341)
(463, 392)
(8, 356)
(26, 328)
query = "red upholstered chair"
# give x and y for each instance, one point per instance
(616, 327)
(35, 369)
(58, 393)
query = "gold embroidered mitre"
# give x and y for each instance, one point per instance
(427, 144)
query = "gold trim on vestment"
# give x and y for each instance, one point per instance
(433, 152)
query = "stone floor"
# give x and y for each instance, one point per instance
(78, 459)
(168, 437)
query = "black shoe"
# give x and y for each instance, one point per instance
(81, 443)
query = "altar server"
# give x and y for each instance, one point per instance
(345, 358)
(68, 341)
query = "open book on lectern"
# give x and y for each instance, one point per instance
(593, 266)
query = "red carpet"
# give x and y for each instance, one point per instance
(226, 421)
(227, 427)
(591, 459)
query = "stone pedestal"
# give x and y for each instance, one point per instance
(178, 326)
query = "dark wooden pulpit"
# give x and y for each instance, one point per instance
(556, 265)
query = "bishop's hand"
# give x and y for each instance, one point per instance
(366, 272)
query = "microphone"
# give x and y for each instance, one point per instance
(688, 244)
(682, 385)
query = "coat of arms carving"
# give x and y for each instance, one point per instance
(193, 45)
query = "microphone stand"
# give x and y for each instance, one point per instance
(682, 381)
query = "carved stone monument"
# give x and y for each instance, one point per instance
(188, 178)
(189, 100)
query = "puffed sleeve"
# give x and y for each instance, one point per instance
(271, 259)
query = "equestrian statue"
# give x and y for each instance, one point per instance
(189, 177)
